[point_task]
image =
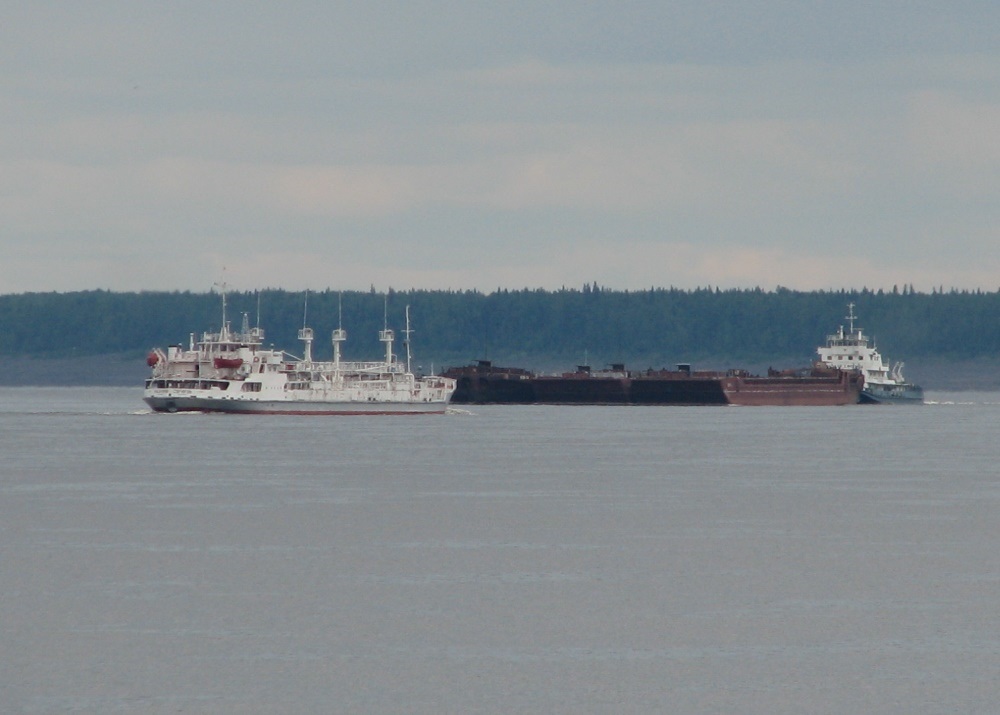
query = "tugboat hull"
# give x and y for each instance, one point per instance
(905, 394)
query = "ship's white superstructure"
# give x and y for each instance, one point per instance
(231, 371)
(850, 350)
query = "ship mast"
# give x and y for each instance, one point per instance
(385, 335)
(850, 317)
(306, 334)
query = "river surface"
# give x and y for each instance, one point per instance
(503, 559)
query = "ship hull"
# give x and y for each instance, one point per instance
(581, 391)
(487, 385)
(194, 403)
(843, 389)
(901, 394)
(515, 386)
(486, 390)
(675, 388)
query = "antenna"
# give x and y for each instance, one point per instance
(305, 308)
(222, 286)
(406, 340)
(850, 316)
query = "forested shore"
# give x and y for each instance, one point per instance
(538, 329)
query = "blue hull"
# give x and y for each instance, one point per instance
(904, 394)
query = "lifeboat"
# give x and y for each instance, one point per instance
(152, 359)
(221, 362)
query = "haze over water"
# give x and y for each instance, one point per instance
(499, 559)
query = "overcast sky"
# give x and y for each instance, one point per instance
(421, 144)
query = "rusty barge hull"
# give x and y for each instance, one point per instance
(554, 390)
(484, 384)
(676, 387)
(779, 391)
(580, 390)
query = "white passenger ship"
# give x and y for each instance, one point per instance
(850, 351)
(230, 371)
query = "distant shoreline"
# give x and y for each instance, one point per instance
(127, 370)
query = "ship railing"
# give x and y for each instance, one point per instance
(366, 367)
(212, 343)
(847, 340)
(294, 363)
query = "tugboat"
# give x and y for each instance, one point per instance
(850, 351)
(230, 371)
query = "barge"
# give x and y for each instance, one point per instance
(482, 383)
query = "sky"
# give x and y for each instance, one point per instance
(460, 144)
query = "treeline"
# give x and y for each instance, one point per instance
(531, 328)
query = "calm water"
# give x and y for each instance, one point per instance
(499, 559)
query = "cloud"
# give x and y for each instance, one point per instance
(534, 162)
(948, 131)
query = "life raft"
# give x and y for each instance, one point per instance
(221, 362)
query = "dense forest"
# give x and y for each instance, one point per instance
(540, 329)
